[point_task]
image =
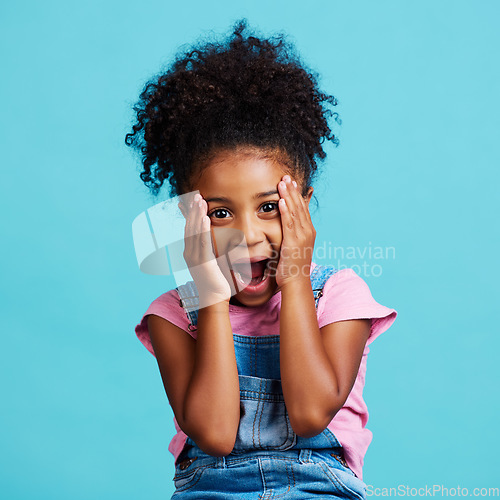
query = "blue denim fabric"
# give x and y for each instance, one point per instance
(268, 461)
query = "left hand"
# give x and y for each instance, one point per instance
(298, 235)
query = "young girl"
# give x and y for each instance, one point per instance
(265, 373)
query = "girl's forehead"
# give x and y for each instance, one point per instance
(240, 172)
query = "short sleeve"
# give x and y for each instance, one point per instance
(347, 296)
(168, 307)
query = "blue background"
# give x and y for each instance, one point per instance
(84, 413)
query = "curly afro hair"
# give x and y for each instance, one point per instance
(245, 92)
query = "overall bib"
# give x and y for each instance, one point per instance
(268, 461)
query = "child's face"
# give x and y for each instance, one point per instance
(242, 193)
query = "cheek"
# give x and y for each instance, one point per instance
(226, 239)
(276, 238)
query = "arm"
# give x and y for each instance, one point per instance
(200, 377)
(318, 367)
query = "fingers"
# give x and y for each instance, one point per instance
(206, 235)
(197, 233)
(300, 207)
(190, 221)
(286, 217)
(192, 216)
(305, 207)
(295, 213)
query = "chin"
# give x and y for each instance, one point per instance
(241, 299)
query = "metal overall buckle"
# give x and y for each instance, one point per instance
(184, 464)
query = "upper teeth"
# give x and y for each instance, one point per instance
(239, 277)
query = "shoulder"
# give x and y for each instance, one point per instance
(347, 296)
(166, 306)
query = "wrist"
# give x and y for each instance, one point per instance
(211, 299)
(214, 307)
(299, 284)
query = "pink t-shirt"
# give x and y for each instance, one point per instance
(345, 296)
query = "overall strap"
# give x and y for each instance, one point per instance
(190, 301)
(319, 277)
(189, 298)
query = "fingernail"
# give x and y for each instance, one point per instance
(294, 183)
(286, 178)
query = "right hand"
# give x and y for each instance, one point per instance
(199, 254)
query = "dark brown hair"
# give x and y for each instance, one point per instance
(242, 91)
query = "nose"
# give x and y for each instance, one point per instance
(244, 234)
(251, 227)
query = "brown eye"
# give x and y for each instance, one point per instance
(218, 213)
(269, 206)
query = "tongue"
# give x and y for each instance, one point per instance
(258, 268)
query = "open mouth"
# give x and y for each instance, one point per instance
(251, 274)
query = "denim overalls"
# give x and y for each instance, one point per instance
(268, 461)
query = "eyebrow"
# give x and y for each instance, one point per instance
(222, 199)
